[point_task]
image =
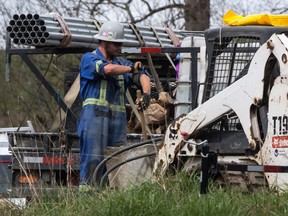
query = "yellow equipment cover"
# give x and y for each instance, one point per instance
(233, 19)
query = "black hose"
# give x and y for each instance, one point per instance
(121, 163)
(119, 152)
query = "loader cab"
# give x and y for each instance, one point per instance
(230, 51)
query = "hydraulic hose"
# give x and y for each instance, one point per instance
(121, 163)
(109, 157)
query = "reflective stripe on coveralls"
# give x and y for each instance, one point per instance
(103, 102)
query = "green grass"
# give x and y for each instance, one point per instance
(178, 195)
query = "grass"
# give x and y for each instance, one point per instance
(177, 195)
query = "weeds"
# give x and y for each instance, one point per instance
(173, 195)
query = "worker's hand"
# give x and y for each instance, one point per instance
(142, 102)
(136, 67)
(145, 101)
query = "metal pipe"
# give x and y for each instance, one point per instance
(12, 35)
(53, 35)
(178, 33)
(22, 16)
(29, 16)
(88, 40)
(42, 22)
(19, 34)
(80, 44)
(36, 41)
(26, 22)
(149, 28)
(16, 40)
(23, 29)
(29, 28)
(71, 19)
(36, 16)
(32, 22)
(32, 34)
(29, 41)
(128, 31)
(26, 35)
(150, 39)
(82, 38)
(131, 43)
(15, 17)
(84, 26)
(18, 23)
(39, 34)
(12, 22)
(45, 42)
(42, 40)
(78, 32)
(15, 29)
(51, 28)
(147, 32)
(70, 25)
(43, 28)
(9, 28)
(131, 32)
(130, 37)
(23, 41)
(72, 30)
(74, 37)
(78, 20)
(36, 28)
(82, 31)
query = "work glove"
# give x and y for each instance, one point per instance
(145, 101)
(136, 67)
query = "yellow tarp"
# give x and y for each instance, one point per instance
(233, 19)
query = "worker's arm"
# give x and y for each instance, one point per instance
(114, 69)
(146, 88)
(145, 83)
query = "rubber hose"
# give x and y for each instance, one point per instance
(123, 162)
(121, 151)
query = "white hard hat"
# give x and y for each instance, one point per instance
(111, 31)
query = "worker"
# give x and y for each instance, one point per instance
(104, 78)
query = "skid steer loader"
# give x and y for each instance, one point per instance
(241, 116)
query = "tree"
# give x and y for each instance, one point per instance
(197, 14)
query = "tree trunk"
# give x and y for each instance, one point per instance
(197, 14)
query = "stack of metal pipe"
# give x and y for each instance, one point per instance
(37, 30)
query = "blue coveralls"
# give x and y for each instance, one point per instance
(103, 120)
